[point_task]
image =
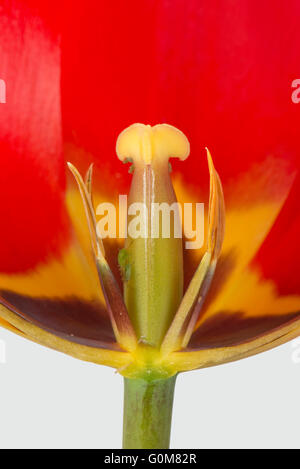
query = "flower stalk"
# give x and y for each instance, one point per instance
(148, 408)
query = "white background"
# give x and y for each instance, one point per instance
(49, 400)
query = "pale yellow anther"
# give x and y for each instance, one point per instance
(144, 143)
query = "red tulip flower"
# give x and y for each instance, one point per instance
(77, 74)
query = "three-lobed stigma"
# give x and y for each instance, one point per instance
(144, 143)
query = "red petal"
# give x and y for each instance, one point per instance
(32, 176)
(279, 257)
(219, 71)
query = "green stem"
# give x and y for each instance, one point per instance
(148, 413)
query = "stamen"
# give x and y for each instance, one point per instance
(118, 313)
(89, 179)
(182, 327)
(216, 221)
(97, 244)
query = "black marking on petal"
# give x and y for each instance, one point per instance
(78, 321)
(230, 328)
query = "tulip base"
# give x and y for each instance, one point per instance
(148, 408)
